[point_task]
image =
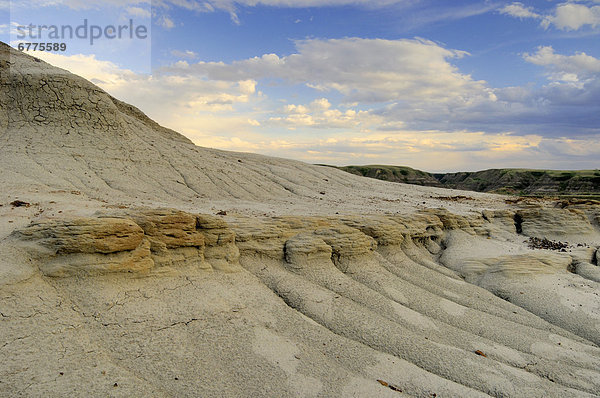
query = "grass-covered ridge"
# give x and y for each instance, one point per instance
(583, 183)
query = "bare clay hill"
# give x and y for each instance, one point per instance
(134, 263)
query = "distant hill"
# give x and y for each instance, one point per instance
(509, 181)
(395, 174)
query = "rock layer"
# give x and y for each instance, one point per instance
(137, 241)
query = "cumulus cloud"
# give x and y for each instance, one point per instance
(426, 150)
(568, 105)
(567, 16)
(216, 114)
(443, 151)
(412, 84)
(161, 95)
(320, 114)
(365, 70)
(519, 10)
(450, 123)
(577, 67)
(571, 16)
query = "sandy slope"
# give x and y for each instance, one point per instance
(315, 283)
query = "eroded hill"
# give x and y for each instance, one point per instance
(133, 263)
(583, 183)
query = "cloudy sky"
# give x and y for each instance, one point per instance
(435, 85)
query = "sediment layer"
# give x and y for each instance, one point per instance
(436, 290)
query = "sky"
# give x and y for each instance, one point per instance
(436, 85)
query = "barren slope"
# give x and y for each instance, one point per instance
(67, 134)
(118, 279)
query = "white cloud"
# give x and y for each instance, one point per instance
(211, 113)
(571, 16)
(165, 22)
(427, 150)
(565, 67)
(365, 70)
(139, 12)
(443, 151)
(519, 10)
(566, 16)
(411, 84)
(161, 95)
(320, 114)
(235, 115)
(187, 54)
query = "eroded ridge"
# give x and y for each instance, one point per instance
(131, 242)
(459, 298)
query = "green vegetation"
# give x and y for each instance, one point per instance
(526, 182)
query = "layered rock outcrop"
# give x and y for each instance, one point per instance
(554, 222)
(130, 242)
(168, 237)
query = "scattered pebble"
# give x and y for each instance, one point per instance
(537, 243)
(19, 203)
(452, 198)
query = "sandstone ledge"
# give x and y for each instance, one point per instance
(135, 241)
(145, 239)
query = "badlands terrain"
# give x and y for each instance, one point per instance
(584, 184)
(136, 264)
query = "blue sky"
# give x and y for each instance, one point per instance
(435, 85)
